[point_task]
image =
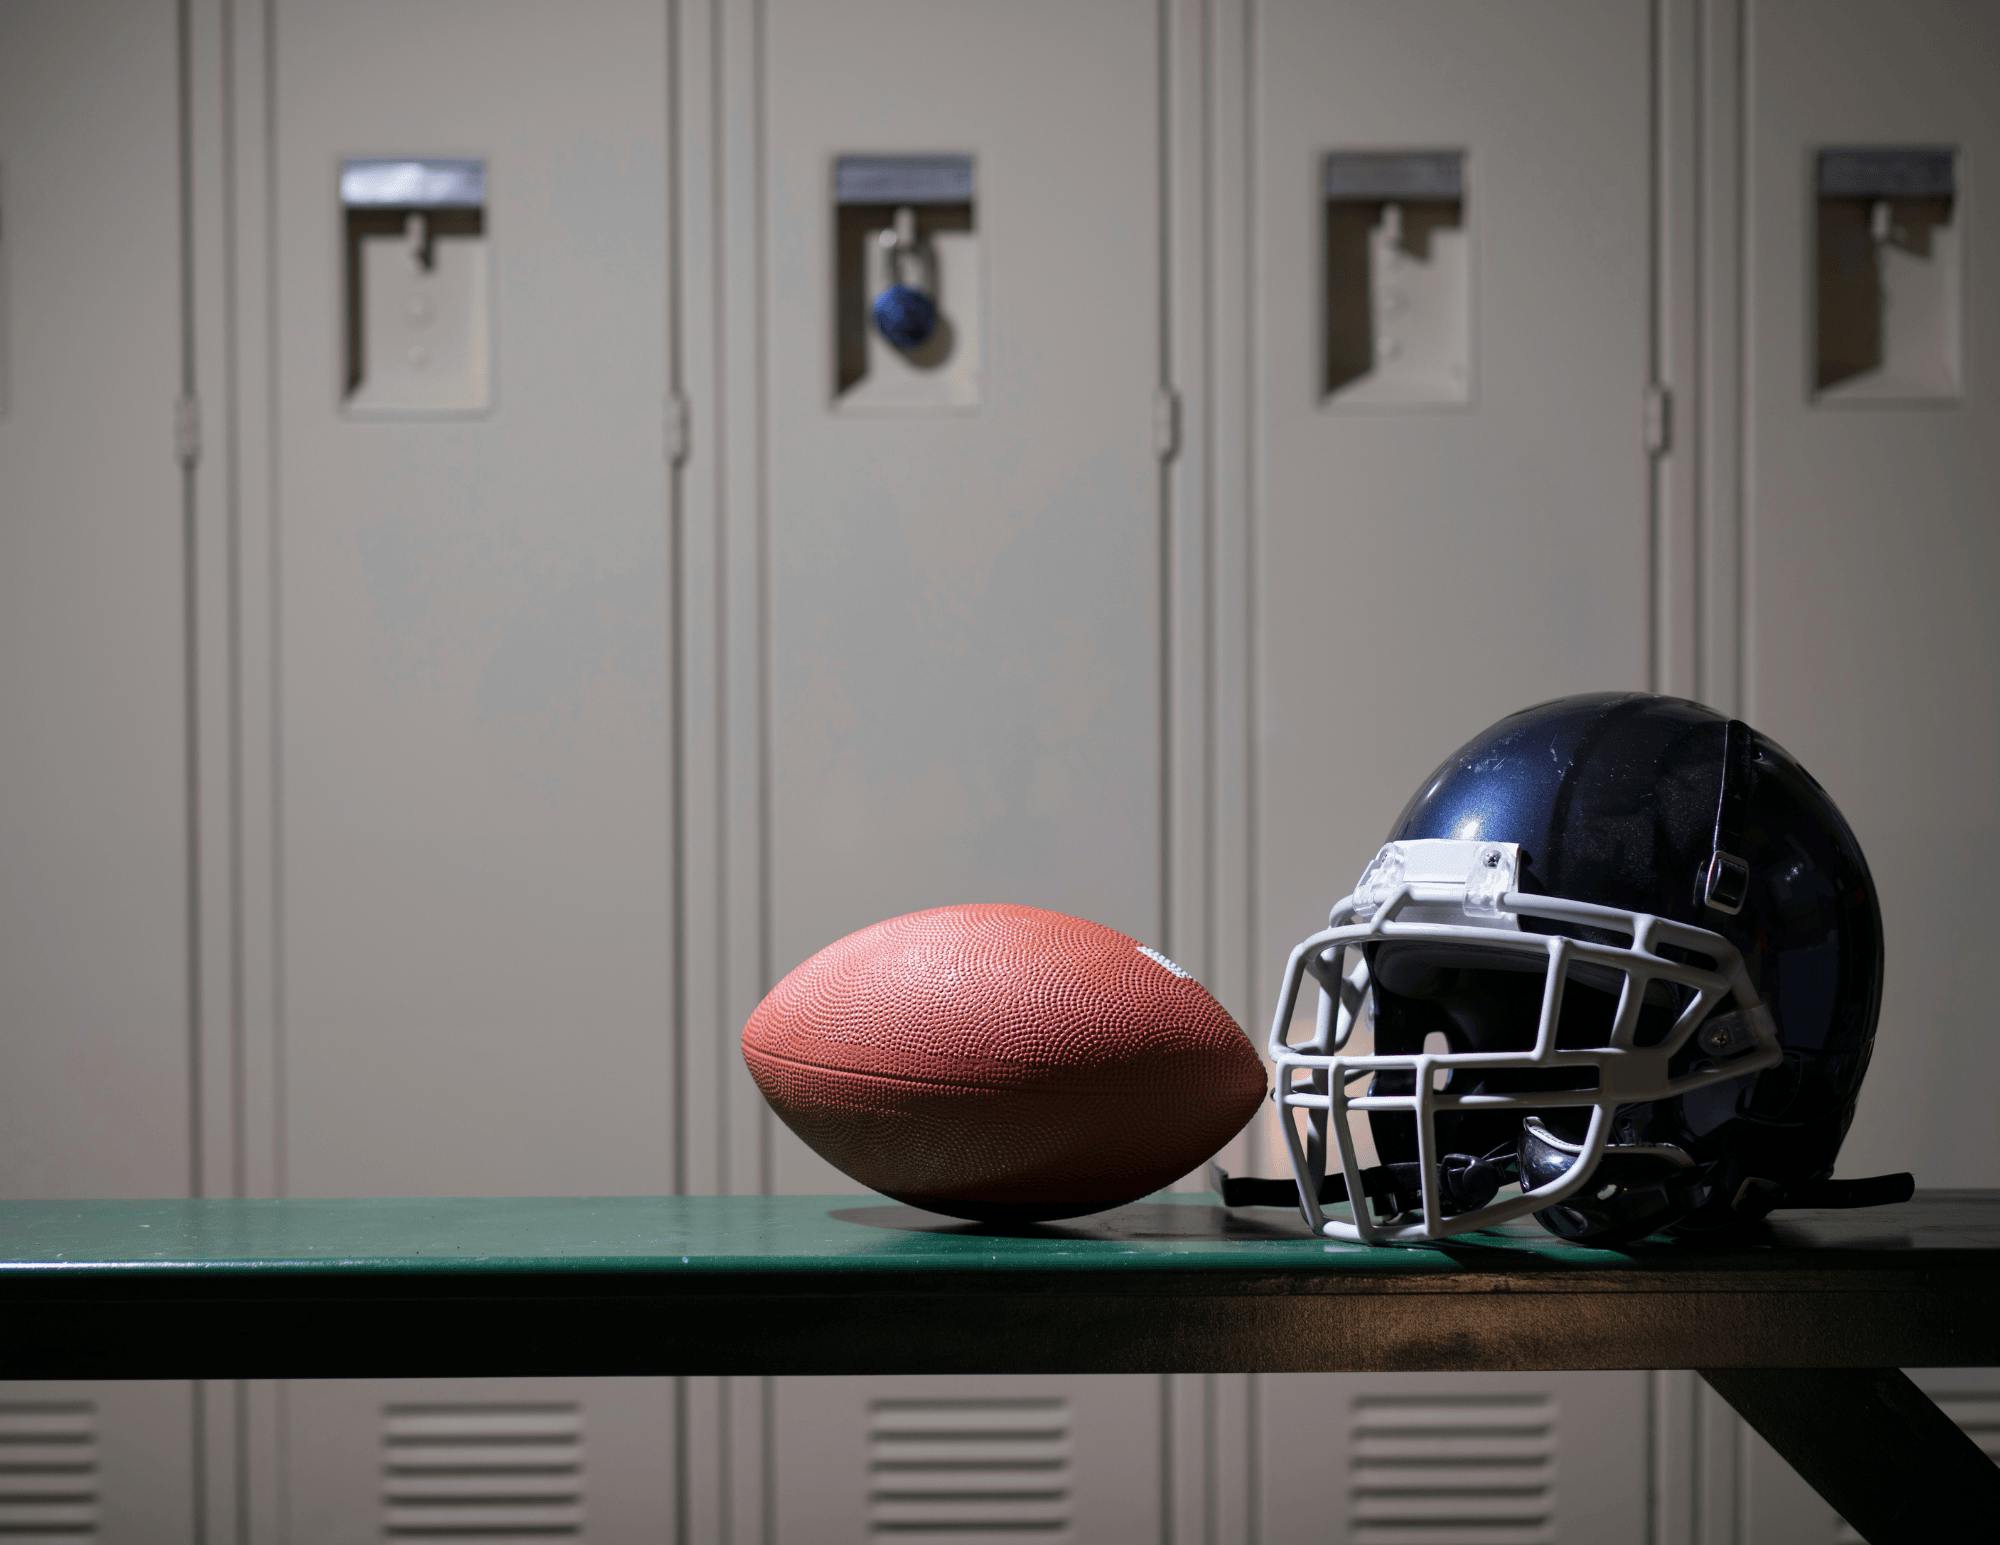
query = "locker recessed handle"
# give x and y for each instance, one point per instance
(416, 291)
(1396, 279)
(905, 312)
(1887, 263)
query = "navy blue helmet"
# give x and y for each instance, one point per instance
(1618, 966)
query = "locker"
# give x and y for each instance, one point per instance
(94, 949)
(470, 767)
(1449, 519)
(472, 637)
(962, 616)
(1866, 546)
(1869, 544)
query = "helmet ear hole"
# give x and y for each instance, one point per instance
(1633, 1192)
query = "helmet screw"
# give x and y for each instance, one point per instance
(1717, 1038)
(1492, 859)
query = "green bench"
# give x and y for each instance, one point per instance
(1803, 1329)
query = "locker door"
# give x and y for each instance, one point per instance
(94, 1095)
(473, 656)
(471, 615)
(1431, 559)
(1869, 549)
(965, 572)
(1870, 541)
(964, 625)
(94, 1073)
(1450, 521)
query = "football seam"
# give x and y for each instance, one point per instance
(931, 1083)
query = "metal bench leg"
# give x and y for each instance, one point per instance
(1875, 1446)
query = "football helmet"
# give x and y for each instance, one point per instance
(1618, 966)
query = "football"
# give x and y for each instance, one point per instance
(1002, 1063)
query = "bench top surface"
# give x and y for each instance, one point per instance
(861, 1236)
(803, 1284)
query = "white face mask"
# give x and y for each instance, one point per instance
(1462, 895)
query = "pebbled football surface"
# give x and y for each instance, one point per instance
(1002, 1063)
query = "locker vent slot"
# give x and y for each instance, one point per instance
(993, 1470)
(482, 1472)
(1463, 1469)
(1977, 1411)
(48, 1470)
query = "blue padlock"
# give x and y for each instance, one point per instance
(906, 316)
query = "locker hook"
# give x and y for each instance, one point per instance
(417, 241)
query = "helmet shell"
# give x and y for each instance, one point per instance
(1613, 798)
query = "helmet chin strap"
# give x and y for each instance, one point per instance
(1724, 883)
(1862, 1191)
